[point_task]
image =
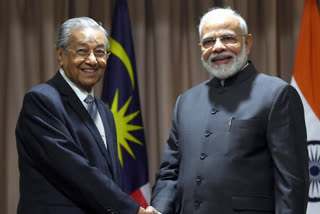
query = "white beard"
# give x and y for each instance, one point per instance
(225, 71)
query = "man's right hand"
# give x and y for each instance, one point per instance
(149, 210)
(152, 210)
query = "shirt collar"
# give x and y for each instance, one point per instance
(82, 94)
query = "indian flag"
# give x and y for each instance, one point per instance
(306, 79)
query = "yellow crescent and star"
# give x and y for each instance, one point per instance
(121, 119)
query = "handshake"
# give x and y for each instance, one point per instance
(148, 210)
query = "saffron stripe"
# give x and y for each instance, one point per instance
(307, 61)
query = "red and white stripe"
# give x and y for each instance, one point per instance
(142, 195)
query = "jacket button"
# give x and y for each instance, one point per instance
(208, 133)
(214, 111)
(198, 179)
(203, 156)
(196, 203)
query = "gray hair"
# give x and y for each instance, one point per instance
(80, 22)
(216, 11)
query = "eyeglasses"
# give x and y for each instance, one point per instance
(225, 40)
(84, 53)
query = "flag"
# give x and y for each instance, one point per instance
(306, 79)
(120, 92)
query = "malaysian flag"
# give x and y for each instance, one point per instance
(121, 94)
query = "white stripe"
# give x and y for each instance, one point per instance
(312, 121)
(313, 208)
(146, 192)
(313, 133)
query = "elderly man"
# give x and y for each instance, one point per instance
(66, 137)
(237, 142)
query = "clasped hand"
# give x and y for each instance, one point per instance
(148, 210)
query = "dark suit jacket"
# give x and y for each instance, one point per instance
(63, 162)
(238, 148)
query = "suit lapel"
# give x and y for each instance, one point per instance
(78, 107)
(112, 149)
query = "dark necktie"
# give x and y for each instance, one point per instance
(92, 109)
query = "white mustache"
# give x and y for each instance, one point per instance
(214, 55)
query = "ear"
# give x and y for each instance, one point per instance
(248, 43)
(60, 56)
(200, 46)
(202, 49)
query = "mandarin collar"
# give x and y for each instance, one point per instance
(239, 77)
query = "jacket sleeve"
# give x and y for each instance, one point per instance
(286, 136)
(164, 193)
(44, 136)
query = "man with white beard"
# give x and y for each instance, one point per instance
(237, 143)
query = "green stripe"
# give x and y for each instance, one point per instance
(116, 49)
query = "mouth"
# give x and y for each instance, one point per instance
(88, 70)
(221, 59)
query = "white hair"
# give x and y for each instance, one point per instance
(218, 12)
(79, 22)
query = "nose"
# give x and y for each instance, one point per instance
(218, 47)
(91, 59)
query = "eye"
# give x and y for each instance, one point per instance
(228, 39)
(99, 52)
(82, 52)
(208, 43)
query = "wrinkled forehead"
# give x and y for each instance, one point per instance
(219, 25)
(87, 35)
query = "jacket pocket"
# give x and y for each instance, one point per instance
(247, 123)
(253, 203)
